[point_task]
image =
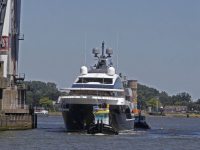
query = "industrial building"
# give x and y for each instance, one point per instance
(12, 88)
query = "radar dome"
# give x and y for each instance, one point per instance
(83, 70)
(111, 71)
(109, 51)
(95, 50)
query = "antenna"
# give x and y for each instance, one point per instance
(103, 48)
(117, 52)
(85, 50)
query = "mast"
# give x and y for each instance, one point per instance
(103, 48)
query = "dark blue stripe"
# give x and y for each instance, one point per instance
(92, 86)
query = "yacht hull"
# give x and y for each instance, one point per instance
(78, 117)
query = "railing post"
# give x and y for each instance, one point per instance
(35, 121)
(32, 120)
(1, 120)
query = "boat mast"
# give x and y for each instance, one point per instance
(85, 50)
(103, 48)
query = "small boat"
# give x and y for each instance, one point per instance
(40, 111)
(101, 122)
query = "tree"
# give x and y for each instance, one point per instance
(29, 98)
(184, 103)
(177, 103)
(141, 101)
(36, 99)
(198, 101)
(181, 97)
(144, 94)
(45, 102)
(39, 90)
(153, 103)
(164, 98)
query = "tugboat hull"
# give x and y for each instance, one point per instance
(102, 128)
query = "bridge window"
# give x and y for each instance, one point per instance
(100, 80)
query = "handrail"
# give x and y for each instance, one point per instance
(93, 97)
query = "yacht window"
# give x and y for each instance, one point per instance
(118, 84)
(100, 80)
(100, 93)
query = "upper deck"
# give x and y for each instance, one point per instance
(101, 77)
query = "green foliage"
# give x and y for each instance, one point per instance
(46, 103)
(40, 90)
(43, 89)
(177, 103)
(145, 94)
(198, 101)
(153, 103)
(164, 98)
(56, 108)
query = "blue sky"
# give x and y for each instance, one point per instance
(159, 41)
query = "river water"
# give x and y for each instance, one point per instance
(166, 133)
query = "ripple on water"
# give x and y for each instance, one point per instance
(166, 133)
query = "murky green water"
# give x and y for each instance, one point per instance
(166, 133)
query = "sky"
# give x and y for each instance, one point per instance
(158, 41)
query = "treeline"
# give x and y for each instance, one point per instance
(145, 94)
(41, 90)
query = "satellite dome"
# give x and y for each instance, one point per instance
(95, 50)
(111, 71)
(109, 51)
(83, 70)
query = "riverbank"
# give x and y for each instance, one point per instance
(172, 115)
(55, 114)
(145, 114)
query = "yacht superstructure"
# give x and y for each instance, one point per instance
(98, 95)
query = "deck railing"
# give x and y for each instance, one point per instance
(94, 97)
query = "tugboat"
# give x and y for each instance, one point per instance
(101, 122)
(83, 109)
(140, 122)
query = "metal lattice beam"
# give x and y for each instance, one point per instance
(3, 4)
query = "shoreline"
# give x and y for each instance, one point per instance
(55, 114)
(145, 114)
(173, 115)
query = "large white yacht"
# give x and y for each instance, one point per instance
(98, 95)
